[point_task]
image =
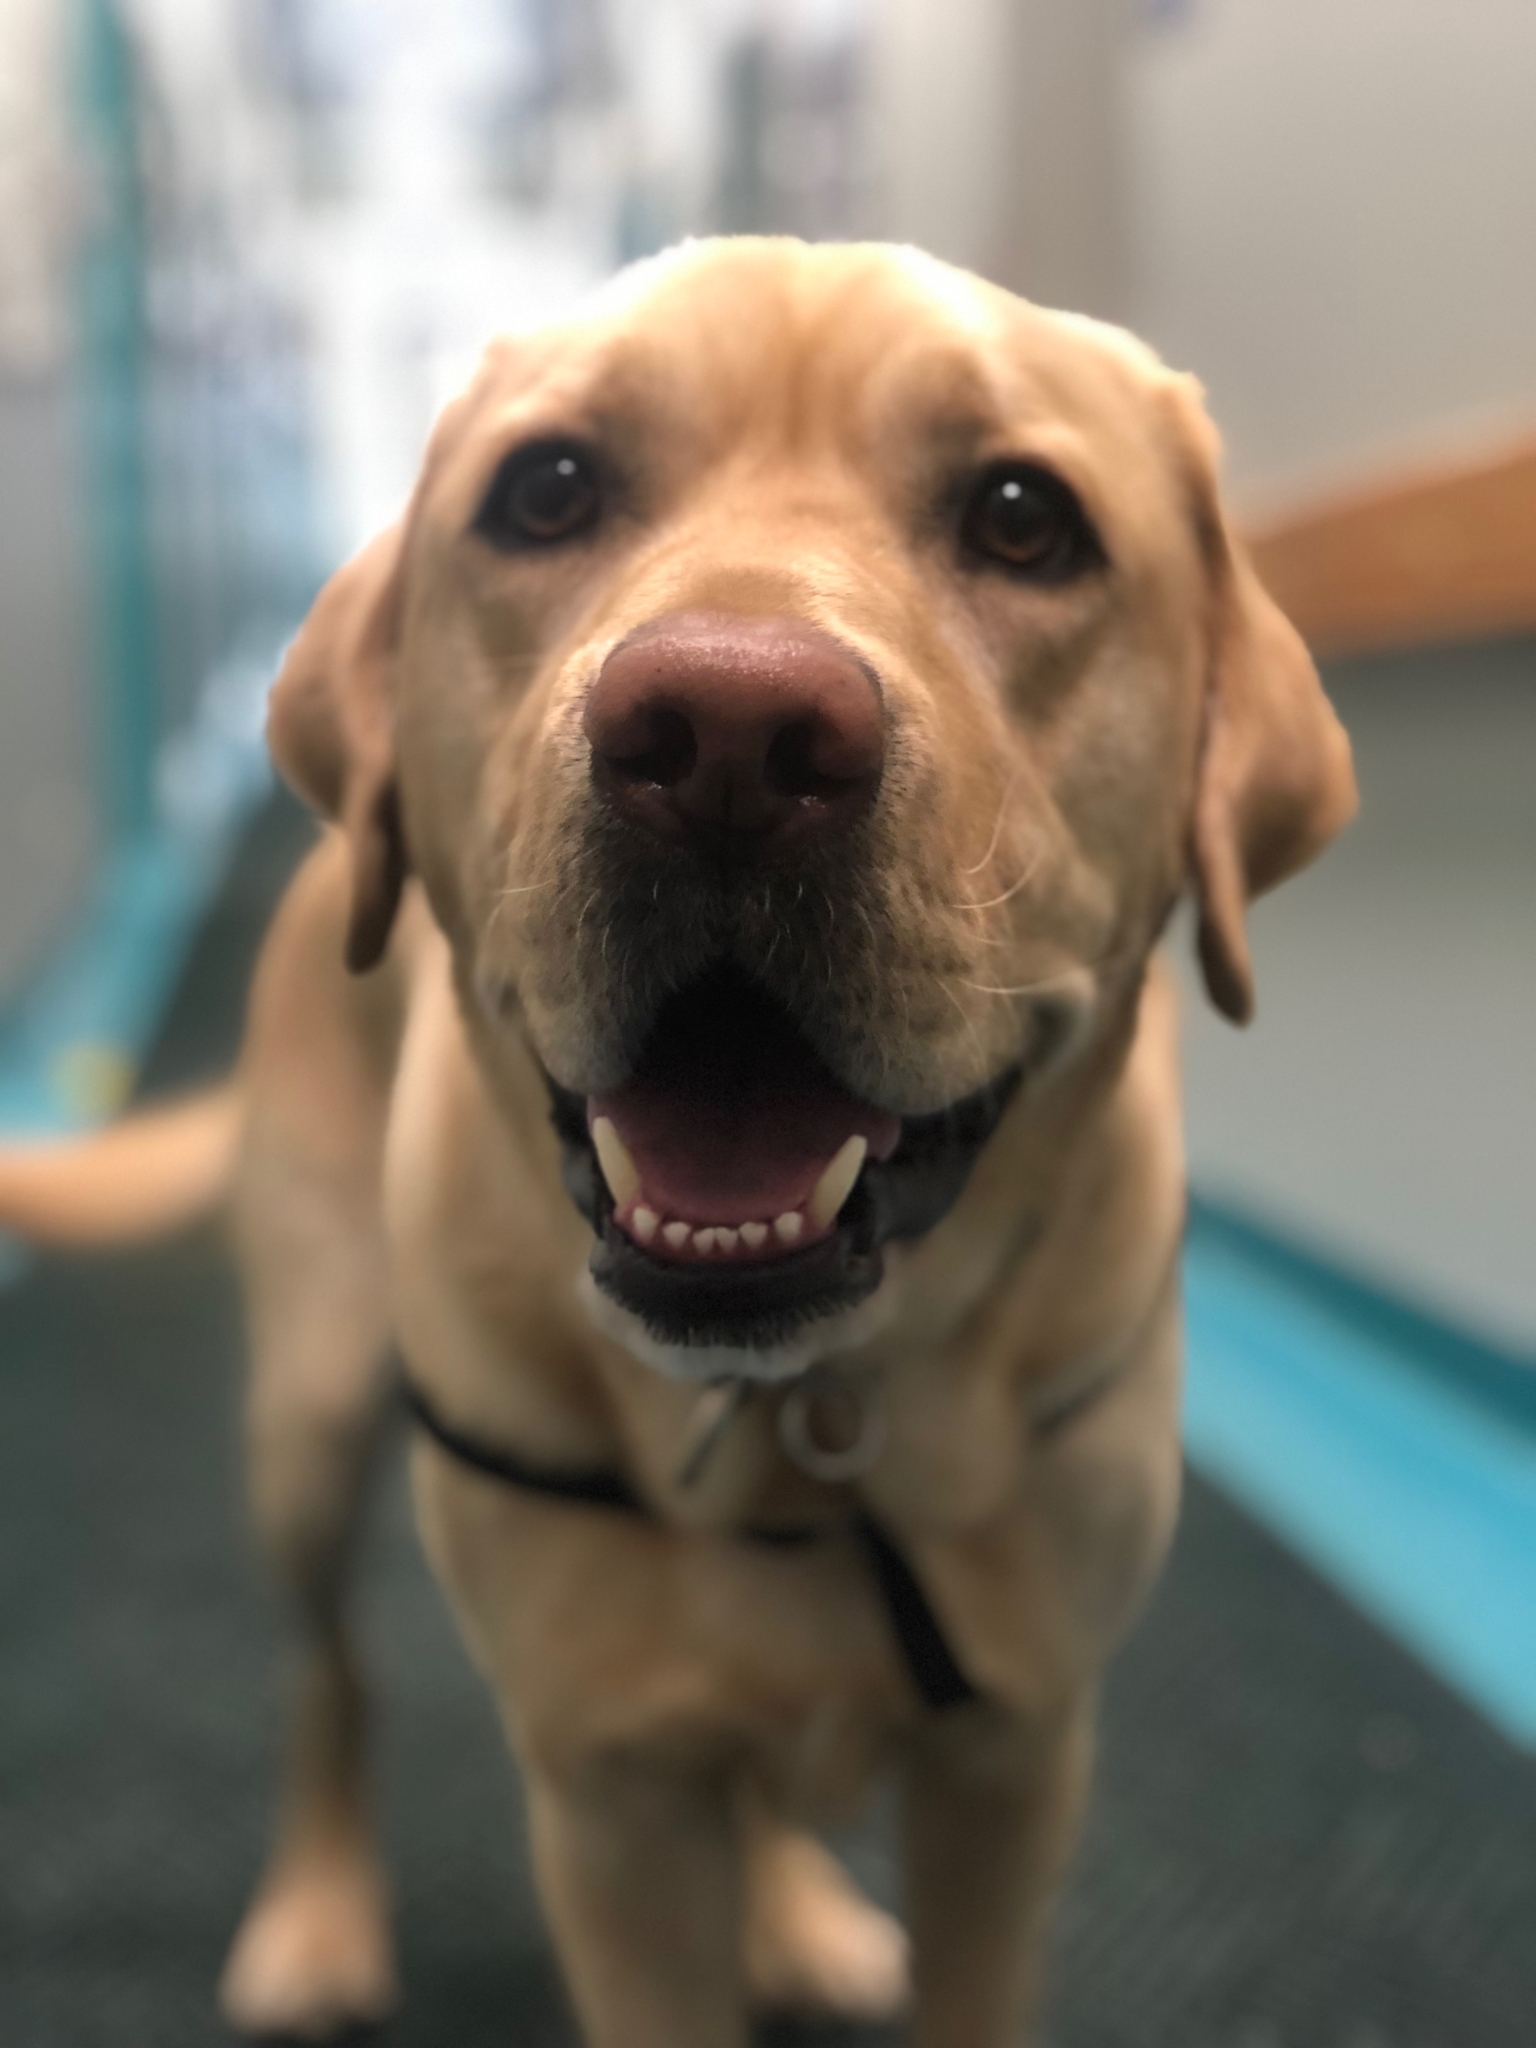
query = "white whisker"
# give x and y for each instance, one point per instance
(1067, 977)
(997, 829)
(966, 1019)
(992, 902)
(1022, 988)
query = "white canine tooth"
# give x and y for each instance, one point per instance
(754, 1235)
(787, 1228)
(643, 1223)
(836, 1183)
(725, 1238)
(619, 1170)
(704, 1240)
(677, 1235)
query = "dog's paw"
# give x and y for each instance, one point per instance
(815, 1944)
(312, 1957)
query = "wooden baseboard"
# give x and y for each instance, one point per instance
(1446, 553)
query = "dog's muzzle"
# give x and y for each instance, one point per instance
(737, 1191)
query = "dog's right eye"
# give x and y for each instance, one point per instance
(540, 496)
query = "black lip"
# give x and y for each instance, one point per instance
(754, 1307)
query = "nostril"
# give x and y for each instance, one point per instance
(743, 735)
(797, 765)
(663, 751)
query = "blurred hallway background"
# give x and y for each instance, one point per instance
(248, 247)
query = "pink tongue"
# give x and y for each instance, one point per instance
(717, 1147)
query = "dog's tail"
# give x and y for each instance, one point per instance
(144, 1178)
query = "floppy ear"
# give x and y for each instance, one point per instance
(1275, 782)
(330, 731)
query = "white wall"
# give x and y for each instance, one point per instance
(998, 141)
(1334, 224)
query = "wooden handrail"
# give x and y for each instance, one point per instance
(1442, 553)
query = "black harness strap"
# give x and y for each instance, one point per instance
(928, 1656)
(594, 1488)
(929, 1661)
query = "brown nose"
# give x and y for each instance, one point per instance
(744, 735)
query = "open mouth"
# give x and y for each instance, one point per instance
(737, 1189)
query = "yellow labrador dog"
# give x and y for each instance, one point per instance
(721, 1046)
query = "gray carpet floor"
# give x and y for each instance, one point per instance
(1299, 1839)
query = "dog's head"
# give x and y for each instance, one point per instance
(803, 686)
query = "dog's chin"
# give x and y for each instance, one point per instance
(741, 1200)
(765, 1364)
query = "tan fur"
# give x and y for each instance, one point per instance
(1061, 764)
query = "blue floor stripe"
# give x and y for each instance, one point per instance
(1410, 1485)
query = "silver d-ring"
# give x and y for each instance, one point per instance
(797, 1435)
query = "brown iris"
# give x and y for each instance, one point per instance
(541, 495)
(1027, 520)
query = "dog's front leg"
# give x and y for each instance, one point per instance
(639, 1870)
(991, 1803)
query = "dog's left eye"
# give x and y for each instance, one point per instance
(539, 496)
(1029, 521)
